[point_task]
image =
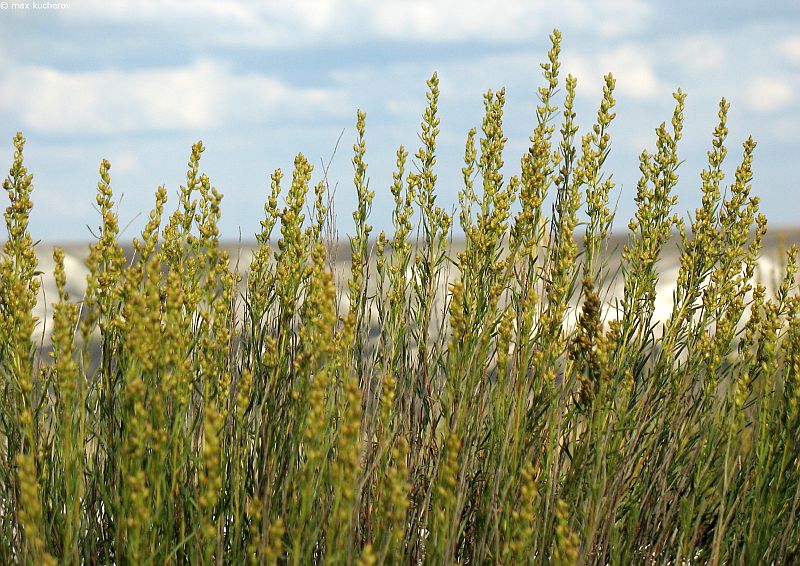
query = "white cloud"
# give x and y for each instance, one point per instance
(112, 100)
(159, 10)
(281, 23)
(124, 162)
(634, 70)
(451, 20)
(610, 18)
(790, 47)
(701, 53)
(199, 96)
(769, 94)
(631, 66)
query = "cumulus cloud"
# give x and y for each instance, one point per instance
(630, 64)
(202, 95)
(159, 10)
(125, 162)
(277, 23)
(769, 94)
(790, 47)
(701, 53)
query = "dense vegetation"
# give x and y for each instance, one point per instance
(429, 407)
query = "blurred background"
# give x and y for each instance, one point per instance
(139, 82)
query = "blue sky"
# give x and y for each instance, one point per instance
(139, 82)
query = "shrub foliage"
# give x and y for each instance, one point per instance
(485, 406)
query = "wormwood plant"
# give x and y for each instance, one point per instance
(455, 409)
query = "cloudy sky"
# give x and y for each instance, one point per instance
(139, 82)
